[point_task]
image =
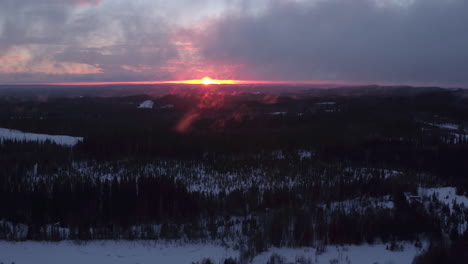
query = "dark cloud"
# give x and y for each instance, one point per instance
(59, 37)
(127, 40)
(359, 40)
(382, 41)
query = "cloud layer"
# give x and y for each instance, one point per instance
(378, 41)
(355, 40)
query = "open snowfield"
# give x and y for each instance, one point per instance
(115, 252)
(109, 252)
(446, 195)
(16, 135)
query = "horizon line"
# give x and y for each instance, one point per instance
(194, 81)
(237, 82)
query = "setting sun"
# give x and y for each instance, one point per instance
(207, 81)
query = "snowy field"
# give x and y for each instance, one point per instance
(446, 195)
(109, 252)
(115, 252)
(16, 135)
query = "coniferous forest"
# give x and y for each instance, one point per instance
(250, 170)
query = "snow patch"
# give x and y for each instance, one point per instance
(111, 252)
(148, 104)
(304, 154)
(449, 126)
(446, 195)
(20, 136)
(279, 113)
(360, 205)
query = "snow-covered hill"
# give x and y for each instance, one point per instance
(147, 104)
(20, 136)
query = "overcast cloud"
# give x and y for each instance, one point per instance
(378, 41)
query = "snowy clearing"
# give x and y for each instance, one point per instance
(16, 135)
(147, 104)
(448, 126)
(279, 113)
(142, 252)
(456, 203)
(110, 252)
(446, 195)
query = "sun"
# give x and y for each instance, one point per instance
(207, 81)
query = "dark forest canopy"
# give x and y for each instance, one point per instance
(280, 166)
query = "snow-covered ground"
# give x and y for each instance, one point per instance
(278, 113)
(304, 154)
(143, 252)
(446, 195)
(449, 126)
(457, 137)
(16, 135)
(147, 104)
(204, 177)
(454, 133)
(457, 205)
(360, 205)
(352, 254)
(369, 173)
(110, 252)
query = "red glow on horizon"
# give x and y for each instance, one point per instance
(201, 81)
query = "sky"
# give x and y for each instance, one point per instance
(419, 42)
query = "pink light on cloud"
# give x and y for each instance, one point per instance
(9, 59)
(193, 64)
(139, 68)
(67, 68)
(188, 46)
(15, 65)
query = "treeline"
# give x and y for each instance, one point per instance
(102, 206)
(443, 160)
(162, 208)
(18, 159)
(38, 200)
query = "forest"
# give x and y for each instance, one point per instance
(252, 170)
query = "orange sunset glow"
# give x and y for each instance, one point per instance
(208, 81)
